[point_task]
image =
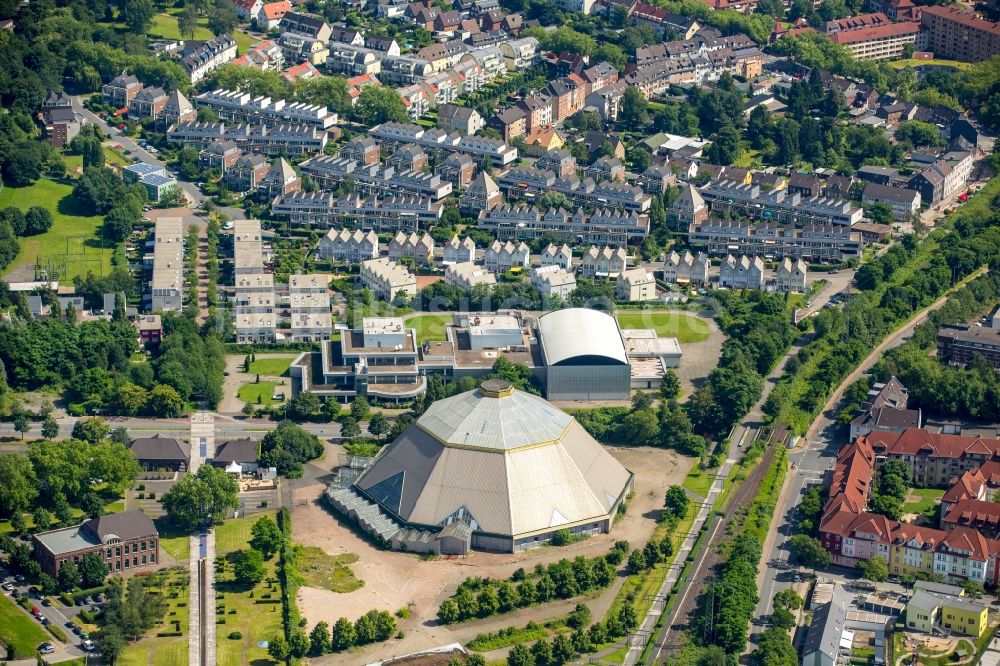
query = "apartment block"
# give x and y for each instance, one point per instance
(502, 257)
(779, 206)
(167, 282)
(239, 107)
(309, 302)
(254, 311)
(960, 35)
(553, 280)
(467, 276)
(606, 262)
(635, 285)
(276, 141)
(606, 226)
(686, 268)
(829, 243)
(387, 279)
(388, 214)
(878, 42)
(374, 179)
(348, 246)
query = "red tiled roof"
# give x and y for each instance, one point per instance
(973, 513)
(917, 441)
(927, 537)
(967, 19)
(968, 540)
(275, 10)
(875, 32)
(966, 486)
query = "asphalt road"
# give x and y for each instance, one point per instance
(225, 427)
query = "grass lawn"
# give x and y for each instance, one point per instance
(259, 394)
(19, 631)
(698, 482)
(71, 245)
(429, 327)
(911, 62)
(686, 328)
(329, 572)
(924, 501)
(164, 26)
(746, 159)
(272, 366)
(247, 611)
(172, 584)
(235, 532)
(175, 541)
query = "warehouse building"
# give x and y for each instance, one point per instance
(466, 475)
(584, 355)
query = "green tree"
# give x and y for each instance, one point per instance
(635, 109)
(266, 536)
(447, 612)
(343, 636)
(197, 498)
(319, 639)
(378, 425)
(349, 428)
(111, 642)
(379, 104)
(520, 655)
(874, 569)
(137, 15)
(640, 426)
(22, 423)
(222, 18)
(69, 576)
(287, 447)
(50, 429)
(93, 570)
(248, 567)
(304, 406)
(670, 387)
(91, 430)
(809, 552)
(725, 147)
(677, 501)
(165, 401)
(37, 220)
(42, 518)
(636, 562)
(187, 21)
(18, 484)
(278, 649)
(782, 618)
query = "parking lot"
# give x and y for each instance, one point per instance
(49, 613)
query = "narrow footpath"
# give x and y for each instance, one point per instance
(201, 632)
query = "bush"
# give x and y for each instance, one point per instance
(235, 635)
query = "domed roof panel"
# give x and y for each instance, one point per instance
(476, 419)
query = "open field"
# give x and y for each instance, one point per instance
(18, 630)
(260, 393)
(174, 541)
(328, 571)
(912, 62)
(235, 532)
(253, 613)
(271, 366)
(685, 327)
(699, 481)
(72, 244)
(164, 26)
(429, 327)
(29, 521)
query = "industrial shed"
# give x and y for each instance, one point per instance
(506, 463)
(584, 356)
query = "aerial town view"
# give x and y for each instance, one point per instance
(500, 332)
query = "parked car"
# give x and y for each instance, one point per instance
(36, 611)
(46, 602)
(88, 645)
(8, 586)
(46, 648)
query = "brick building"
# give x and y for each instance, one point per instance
(126, 542)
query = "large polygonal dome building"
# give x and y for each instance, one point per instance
(506, 465)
